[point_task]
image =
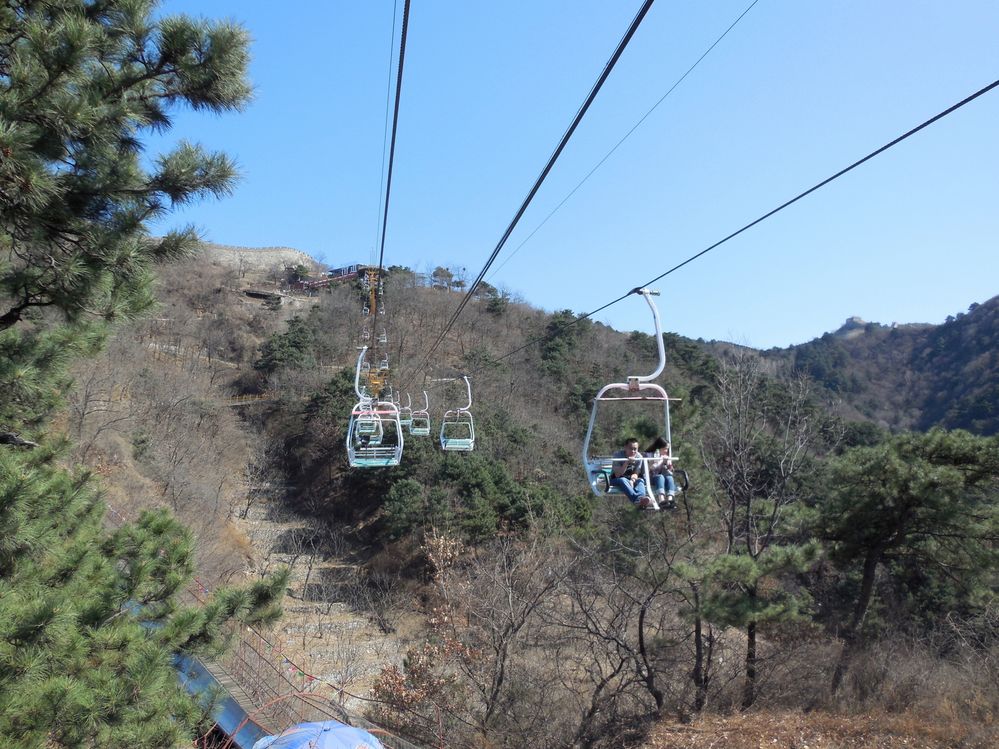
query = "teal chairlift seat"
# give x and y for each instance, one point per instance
(419, 426)
(374, 435)
(406, 413)
(458, 426)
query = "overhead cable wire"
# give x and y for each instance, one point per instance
(751, 224)
(395, 129)
(369, 324)
(626, 136)
(388, 109)
(646, 5)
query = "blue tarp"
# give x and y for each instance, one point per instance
(329, 734)
(198, 681)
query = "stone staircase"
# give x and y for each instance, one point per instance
(333, 626)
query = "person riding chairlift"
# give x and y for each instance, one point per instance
(661, 472)
(628, 475)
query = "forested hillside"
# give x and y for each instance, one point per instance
(173, 472)
(93, 611)
(910, 376)
(812, 564)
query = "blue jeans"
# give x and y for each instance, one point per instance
(663, 484)
(634, 493)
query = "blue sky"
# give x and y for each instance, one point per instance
(795, 92)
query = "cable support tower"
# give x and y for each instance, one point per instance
(908, 134)
(627, 135)
(622, 45)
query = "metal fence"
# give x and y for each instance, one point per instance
(275, 692)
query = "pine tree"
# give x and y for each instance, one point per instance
(757, 447)
(926, 499)
(81, 81)
(89, 619)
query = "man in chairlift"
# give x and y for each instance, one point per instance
(628, 475)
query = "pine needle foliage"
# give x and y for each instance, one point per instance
(90, 619)
(81, 81)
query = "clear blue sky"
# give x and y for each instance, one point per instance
(796, 91)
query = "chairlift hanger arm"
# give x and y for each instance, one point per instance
(647, 294)
(357, 372)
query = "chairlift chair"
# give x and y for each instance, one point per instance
(419, 426)
(384, 447)
(458, 426)
(599, 467)
(383, 336)
(374, 435)
(406, 414)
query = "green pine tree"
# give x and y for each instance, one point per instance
(758, 447)
(925, 499)
(89, 619)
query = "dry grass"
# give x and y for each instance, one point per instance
(795, 730)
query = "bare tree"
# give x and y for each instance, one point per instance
(755, 448)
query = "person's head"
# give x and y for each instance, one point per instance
(660, 444)
(631, 446)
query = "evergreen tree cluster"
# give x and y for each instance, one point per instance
(90, 618)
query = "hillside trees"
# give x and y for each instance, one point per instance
(81, 81)
(757, 447)
(89, 619)
(924, 507)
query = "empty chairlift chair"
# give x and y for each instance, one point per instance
(406, 413)
(419, 426)
(458, 427)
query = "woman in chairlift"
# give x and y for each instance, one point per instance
(661, 472)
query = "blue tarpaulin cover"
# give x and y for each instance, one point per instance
(329, 734)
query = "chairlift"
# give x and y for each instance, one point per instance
(640, 389)
(366, 335)
(365, 311)
(374, 436)
(383, 336)
(419, 426)
(406, 413)
(458, 427)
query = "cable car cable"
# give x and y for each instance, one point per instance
(782, 206)
(620, 142)
(388, 109)
(639, 17)
(395, 129)
(385, 138)
(826, 181)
